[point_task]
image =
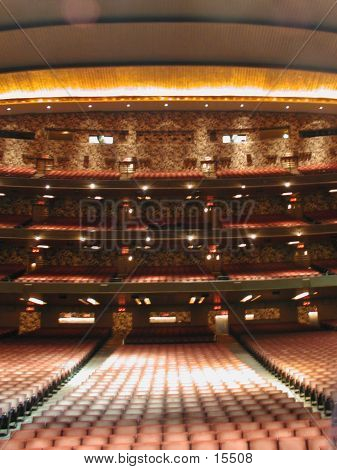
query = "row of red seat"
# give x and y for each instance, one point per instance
(174, 397)
(19, 172)
(85, 174)
(32, 368)
(170, 274)
(318, 168)
(239, 271)
(305, 361)
(196, 174)
(75, 274)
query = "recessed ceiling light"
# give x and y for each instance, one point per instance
(43, 247)
(49, 196)
(321, 107)
(8, 109)
(287, 184)
(145, 188)
(301, 296)
(48, 107)
(206, 105)
(92, 186)
(47, 186)
(34, 300)
(95, 247)
(128, 105)
(130, 258)
(189, 186)
(237, 196)
(82, 239)
(295, 242)
(287, 194)
(89, 105)
(242, 105)
(253, 236)
(243, 186)
(287, 107)
(190, 238)
(242, 245)
(98, 198)
(286, 135)
(92, 301)
(148, 239)
(245, 299)
(37, 237)
(166, 105)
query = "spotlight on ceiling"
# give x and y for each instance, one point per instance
(301, 295)
(245, 299)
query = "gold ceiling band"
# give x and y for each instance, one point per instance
(176, 83)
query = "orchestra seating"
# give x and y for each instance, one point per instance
(318, 168)
(304, 361)
(252, 172)
(13, 221)
(10, 271)
(174, 397)
(170, 334)
(18, 172)
(263, 221)
(186, 174)
(74, 274)
(263, 271)
(31, 367)
(169, 274)
(83, 174)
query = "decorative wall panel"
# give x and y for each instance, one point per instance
(29, 321)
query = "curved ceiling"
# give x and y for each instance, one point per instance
(59, 36)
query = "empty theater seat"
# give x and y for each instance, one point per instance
(305, 361)
(173, 397)
(17, 172)
(84, 174)
(31, 367)
(251, 172)
(169, 274)
(74, 274)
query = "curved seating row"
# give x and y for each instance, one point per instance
(304, 361)
(74, 274)
(170, 334)
(174, 397)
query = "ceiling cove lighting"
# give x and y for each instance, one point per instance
(245, 299)
(36, 301)
(301, 295)
(92, 301)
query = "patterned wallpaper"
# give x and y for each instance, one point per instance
(264, 313)
(122, 323)
(29, 321)
(162, 151)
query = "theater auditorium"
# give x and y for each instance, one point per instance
(168, 237)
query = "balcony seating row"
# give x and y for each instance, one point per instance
(13, 221)
(304, 361)
(74, 274)
(246, 272)
(170, 334)
(263, 221)
(195, 174)
(85, 174)
(170, 274)
(252, 172)
(322, 217)
(18, 172)
(174, 397)
(318, 168)
(10, 271)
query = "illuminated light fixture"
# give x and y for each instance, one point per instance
(295, 242)
(192, 300)
(33, 265)
(255, 298)
(321, 107)
(147, 247)
(130, 258)
(49, 196)
(301, 295)
(333, 191)
(95, 247)
(82, 239)
(145, 188)
(148, 239)
(98, 198)
(147, 301)
(242, 105)
(287, 107)
(206, 209)
(92, 186)
(286, 135)
(242, 245)
(306, 253)
(287, 184)
(189, 186)
(128, 105)
(287, 194)
(201, 300)
(43, 247)
(253, 236)
(189, 197)
(245, 299)
(89, 105)
(130, 211)
(289, 207)
(37, 237)
(83, 301)
(190, 238)
(48, 107)
(237, 196)
(138, 301)
(217, 257)
(243, 186)
(47, 186)
(92, 301)
(249, 316)
(299, 234)
(209, 257)
(166, 105)
(36, 301)
(8, 109)
(315, 293)
(206, 105)
(2, 194)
